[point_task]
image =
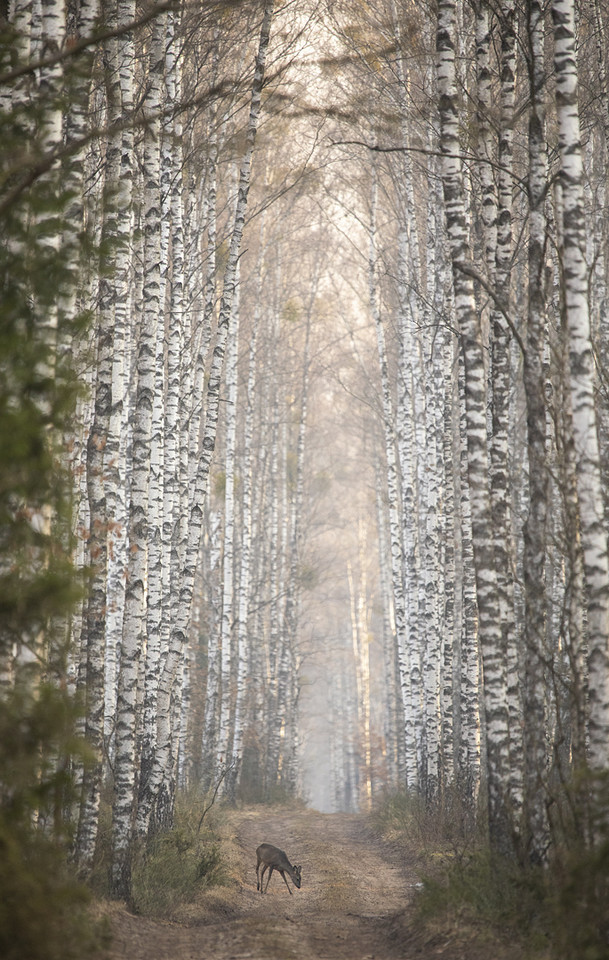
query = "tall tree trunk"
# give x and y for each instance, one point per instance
(224, 748)
(393, 495)
(575, 279)
(535, 820)
(134, 624)
(179, 630)
(122, 356)
(468, 319)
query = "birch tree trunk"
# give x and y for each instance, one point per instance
(165, 454)
(393, 494)
(243, 620)
(393, 699)
(468, 319)
(500, 374)
(121, 368)
(535, 818)
(224, 749)
(134, 625)
(179, 630)
(575, 279)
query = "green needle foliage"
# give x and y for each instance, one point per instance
(42, 908)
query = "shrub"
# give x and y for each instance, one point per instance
(490, 890)
(43, 910)
(577, 891)
(406, 815)
(177, 865)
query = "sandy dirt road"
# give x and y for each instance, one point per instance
(353, 903)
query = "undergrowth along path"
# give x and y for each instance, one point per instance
(354, 903)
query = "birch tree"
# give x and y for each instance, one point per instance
(575, 279)
(134, 623)
(535, 536)
(179, 631)
(475, 399)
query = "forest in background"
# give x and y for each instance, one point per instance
(304, 420)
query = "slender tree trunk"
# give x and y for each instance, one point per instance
(575, 279)
(224, 748)
(179, 630)
(134, 625)
(124, 334)
(468, 319)
(535, 819)
(243, 619)
(393, 494)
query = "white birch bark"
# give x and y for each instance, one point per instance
(449, 690)
(392, 697)
(408, 407)
(93, 637)
(535, 825)
(275, 635)
(52, 31)
(121, 368)
(486, 140)
(212, 692)
(175, 455)
(475, 394)
(243, 618)
(202, 339)
(469, 651)
(157, 710)
(228, 560)
(179, 630)
(575, 278)
(393, 494)
(134, 624)
(500, 378)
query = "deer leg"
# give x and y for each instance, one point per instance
(269, 879)
(257, 876)
(285, 880)
(262, 873)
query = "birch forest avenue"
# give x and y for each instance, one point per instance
(304, 458)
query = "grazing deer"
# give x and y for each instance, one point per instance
(272, 858)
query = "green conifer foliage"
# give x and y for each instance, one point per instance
(42, 913)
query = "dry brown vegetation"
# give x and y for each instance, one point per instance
(356, 901)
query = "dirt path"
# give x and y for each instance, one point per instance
(353, 902)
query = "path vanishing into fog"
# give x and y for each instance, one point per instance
(354, 902)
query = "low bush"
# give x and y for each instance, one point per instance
(406, 816)
(43, 910)
(490, 892)
(177, 865)
(558, 910)
(577, 899)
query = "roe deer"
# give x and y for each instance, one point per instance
(274, 859)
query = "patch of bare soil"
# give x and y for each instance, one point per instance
(354, 903)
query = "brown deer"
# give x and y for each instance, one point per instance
(272, 858)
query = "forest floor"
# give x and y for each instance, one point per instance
(355, 903)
